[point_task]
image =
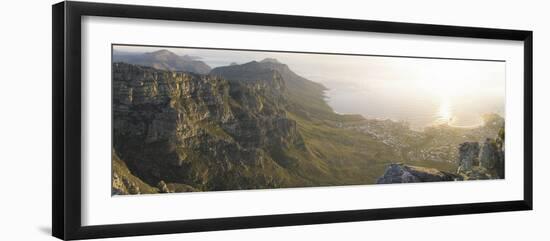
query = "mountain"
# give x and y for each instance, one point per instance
(253, 125)
(307, 97)
(204, 131)
(216, 132)
(164, 60)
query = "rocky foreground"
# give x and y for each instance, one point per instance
(475, 163)
(401, 173)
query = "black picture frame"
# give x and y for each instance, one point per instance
(66, 128)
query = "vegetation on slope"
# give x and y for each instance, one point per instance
(124, 182)
(256, 125)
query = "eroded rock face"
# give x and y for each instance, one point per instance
(491, 159)
(187, 128)
(307, 97)
(401, 173)
(468, 155)
(489, 154)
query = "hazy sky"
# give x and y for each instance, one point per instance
(421, 91)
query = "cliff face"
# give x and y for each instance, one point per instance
(240, 128)
(186, 128)
(486, 162)
(306, 97)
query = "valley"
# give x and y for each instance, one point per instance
(255, 125)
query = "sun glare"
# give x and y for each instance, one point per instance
(444, 113)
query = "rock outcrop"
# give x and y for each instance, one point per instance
(163, 187)
(489, 154)
(490, 164)
(122, 185)
(474, 163)
(468, 155)
(401, 173)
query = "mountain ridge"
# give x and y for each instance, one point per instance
(249, 126)
(163, 59)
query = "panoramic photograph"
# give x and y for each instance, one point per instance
(200, 119)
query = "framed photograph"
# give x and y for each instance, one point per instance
(169, 120)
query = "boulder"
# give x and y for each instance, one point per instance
(163, 187)
(401, 173)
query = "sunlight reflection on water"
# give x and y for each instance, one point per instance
(444, 113)
(419, 111)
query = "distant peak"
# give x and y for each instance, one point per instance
(162, 52)
(270, 60)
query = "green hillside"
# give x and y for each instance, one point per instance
(256, 125)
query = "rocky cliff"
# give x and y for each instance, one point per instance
(485, 161)
(203, 131)
(260, 125)
(306, 97)
(241, 127)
